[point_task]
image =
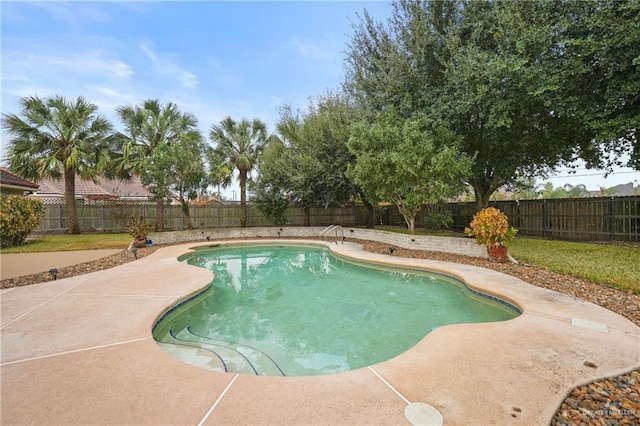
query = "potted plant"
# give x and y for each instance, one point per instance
(139, 231)
(491, 228)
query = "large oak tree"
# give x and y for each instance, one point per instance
(524, 84)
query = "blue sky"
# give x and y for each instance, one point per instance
(212, 58)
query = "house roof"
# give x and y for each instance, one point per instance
(102, 188)
(626, 189)
(83, 187)
(8, 179)
(131, 188)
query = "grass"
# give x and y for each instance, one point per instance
(46, 243)
(614, 265)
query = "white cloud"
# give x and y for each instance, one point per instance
(312, 50)
(41, 66)
(146, 49)
(165, 65)
(36, 68)
(74, 15)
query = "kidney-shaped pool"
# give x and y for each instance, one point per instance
(283, 310)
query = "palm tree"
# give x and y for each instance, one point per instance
(577, 191)
(58, 138)
(149, 126)
(240, 145)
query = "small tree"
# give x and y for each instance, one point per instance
(18, 218)
(177, 170)
(272, 203)
(409, 163)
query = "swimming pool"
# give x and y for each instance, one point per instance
(282, 310)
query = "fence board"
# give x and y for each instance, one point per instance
(605, 218)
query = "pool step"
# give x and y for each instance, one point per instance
(219, 355)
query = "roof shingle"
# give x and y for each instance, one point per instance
(9, 179)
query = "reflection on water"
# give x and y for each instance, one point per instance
(302, 311)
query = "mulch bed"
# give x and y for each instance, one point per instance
(613, 401)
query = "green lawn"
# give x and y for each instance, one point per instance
(72, 242)
(615, 265)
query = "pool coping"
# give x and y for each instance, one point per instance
(79, 350)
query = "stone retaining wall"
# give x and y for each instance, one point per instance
(463, 246)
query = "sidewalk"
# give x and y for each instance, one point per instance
(20, 264)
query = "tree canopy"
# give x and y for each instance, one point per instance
(507, 78)
(239, 144)
(408, 162)
(58, 137)
(149, 126)
(178, 170)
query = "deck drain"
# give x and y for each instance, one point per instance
(419, 413)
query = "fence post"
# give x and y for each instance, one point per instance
(544, 217)
(613, 218)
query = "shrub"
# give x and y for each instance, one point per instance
(437, 218)
(19, 216)
(138, 229)
(491, 228)
(272, 204)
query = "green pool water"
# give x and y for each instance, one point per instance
(299, 311)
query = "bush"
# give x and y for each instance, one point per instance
(138, 229)
(272, 204)
(19, 216)
(491, 228)
(437, 218)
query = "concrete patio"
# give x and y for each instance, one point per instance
(79, 351)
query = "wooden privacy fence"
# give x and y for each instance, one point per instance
(114, 216)
(605, 218)
(587, 219)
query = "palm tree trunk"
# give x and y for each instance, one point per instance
(243, 198)
(73, 227)
(187, 214)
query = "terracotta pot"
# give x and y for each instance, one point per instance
(497, 254)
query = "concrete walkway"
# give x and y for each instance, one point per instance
(20, 264)
(80, 351)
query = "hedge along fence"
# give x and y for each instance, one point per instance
(604, 218)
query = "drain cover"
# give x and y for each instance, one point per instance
(423, 414)
(592, 325)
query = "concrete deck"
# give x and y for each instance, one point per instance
(18, 265)
(79, 351)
